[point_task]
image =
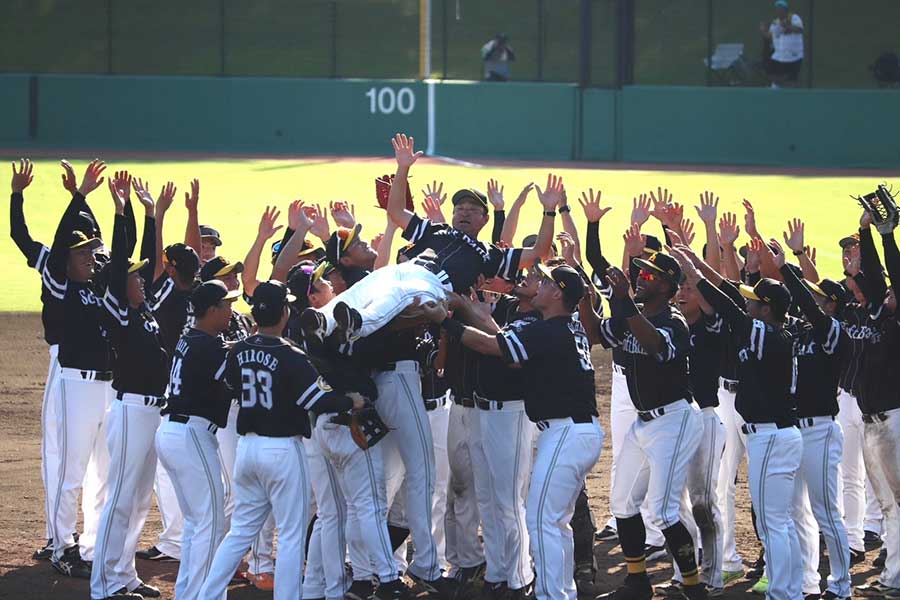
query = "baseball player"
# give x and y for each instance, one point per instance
(85, 374)
(764, 400)
(210, 240)
(186, 441)
(559, 398)
(660, 445)
(278, 385)
(139, 380)
(878, 400)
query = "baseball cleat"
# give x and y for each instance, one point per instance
(729, 576)
(761, 586)
(879, 560)
(262, 581)
(607, 534)
(347, 322)
(812, 596)
(829, 595)
(314, 325)
(154, 553)
(494, 591)
(442, 587)
(584, 582)
(44, 553)
(124, 594)
(70, 564)
(654, 553)
(524, 593)
(392, 590)
(714, 592)
(669, 589)
(465, 575)
(857, 556)
(146, 591)
(872, 540)
(361, 589)
(694, 592)
(635, 588)
(757, 569)
(876, 589)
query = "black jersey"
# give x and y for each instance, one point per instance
(653, 380)
(494, 378)
(881, 366)
(708, 335)
(856, 326)
(556, 369)
(196, 379)
(172, 309)
(458, 259)
(765, 361)
(434, 383)
(277, 385)
(239, 327)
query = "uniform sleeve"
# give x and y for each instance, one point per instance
(497, 231)
(159, 291)
(220, 361)
(613, 332)
(313, 392)
(677, 340)
(115, 299)
(724, 304)
(503, 263)
(419, 229)
(148, 248)
(35, 252)
(518, 346)
(827, 330)
(54, 275)
(233, 375)
(130, 227)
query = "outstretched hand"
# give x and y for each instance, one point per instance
(267, 227)
(551, 196)
(69, 180)
(793, 237)
(166, 197)
(729, 230)
(634, 241)
(640, 211)
(92, 177)
(709, 206)
(590, 204)
(192, 199)
(404, 150)
(142, 191)
(343, 214)
(22, 178)
(618, 281)
(495, 194)
(117, 196)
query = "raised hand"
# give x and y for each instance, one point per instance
(811, 254)
(709, 206)
(567, 247)
(343, 214)
(404, 150)
(142, 191)
(853, 263)
(166, 196)
(267, 227)
(618, 282)
(590, 204)
(793, 237)
(92, 177)
(687, 231)
(495, 194)
(552, 194)
(640, 211)
(661, 202)
(728, 229)
(122, 181)
(754, 250)
(297, 219)
(523, 195)
(750, 219)
(432, 209)
(634, 241)
(777, 254)
(865, 221)
(117, 196)
(69, 181)
(672, 215)
(376, 241)
(319, 227)
(22, 178)
(436, 192)
(192, 199)
(690, 271)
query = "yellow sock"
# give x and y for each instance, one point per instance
(692, 578)
(636, 565)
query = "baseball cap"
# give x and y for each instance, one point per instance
(850, 240)
(86, 223)
(302, 278)
(830, 289)
(652, 244)
(269, 299)
(769, 291)
(136, 265)
(471, 195)
(219, 267)
(568, 280)
(211, 235)
(210, 293)
(340, 241)
(78, 239)
(661, 264)
(183, 258)
(530, 241)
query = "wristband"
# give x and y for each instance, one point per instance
(799, 252)
(499, 211)
(564, 209)
(549, 213)
(454, 328)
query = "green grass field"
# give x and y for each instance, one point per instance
(234, 193)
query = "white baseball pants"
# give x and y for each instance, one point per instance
(732, 455)
(189, 452)
(881, 452)
(774, 458)
(83, 460)
(130, 438)
(169, 542)
(384, 293)
(464, 548)
(622, 415)
(49, 443)
(860, 507)
(507, 437)
(491, 534)
(566, 453)
(439, 419)
(270, 477)
(260, 558)
(409, 449)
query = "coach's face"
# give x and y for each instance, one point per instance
(360, 254)
(469, 217)
(755, 309)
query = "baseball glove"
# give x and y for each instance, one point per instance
(366, 426)
(383, 190)
(882, 207)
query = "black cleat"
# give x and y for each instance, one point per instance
(607, 534)
(857, 556)
(694, 592)
(124, 594)
(757, 569)
(154, 553)
(466, 575)
(812, 596)
(829, 595)
(879, 560)
(146, 591)
(524, 593)
(584, 582)
(361, 589)
(444, 588)
(70, 564)
(314, 326)
(494, 591)
(872, 540)
(44, 553)
(392, 590)
(347, 322)
(669, 589)
(654, 553)
(634, 588)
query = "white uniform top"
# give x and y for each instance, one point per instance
(788, 46)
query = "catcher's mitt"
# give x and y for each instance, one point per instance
(882, 207)
(383, 190)
(366, 426)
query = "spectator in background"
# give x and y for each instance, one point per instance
(496, 55)
(785, 34)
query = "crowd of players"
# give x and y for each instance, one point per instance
(477, 360)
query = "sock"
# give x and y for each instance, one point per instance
(632, 538)
(682, 548)
(398, 535)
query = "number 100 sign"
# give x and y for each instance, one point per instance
(385, 100)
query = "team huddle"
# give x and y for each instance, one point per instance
(426, 424)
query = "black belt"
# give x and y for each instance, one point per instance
(808, 421)
(578, 420)
(436, 403)
(747, 428)
(175, 418)
(391, 366)
(464, 402)
(878, 417)
(648, 415)
(730, 386)
(486, 404)
(157, 401)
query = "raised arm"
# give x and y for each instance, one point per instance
(648, 336)
(404, 152)
(891, 258)
(568, 224)
(729, 231)
(18, 230)
(871, 265)
(267, 229)
(823, 325)
(550, 199)
(707, 211)
(511, 221)
(122, 182)
(70, 183)
(116, 297)
(300, 219)
(192, 230)
(495, 197)
(166, 196)
(148, 242)
(434, 200)
(590, 204)
(719, 300)
(794, 239)
(385, 245)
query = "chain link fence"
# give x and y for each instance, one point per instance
(654, 42)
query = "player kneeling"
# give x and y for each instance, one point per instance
(277, 385)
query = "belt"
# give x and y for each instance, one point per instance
(436, 403)
(157, 401)
(648, 415)
(464, 402)
(86, 374)
(729, 385)
(748, 428)
(186, 419)
(485, 404)
(804, 422)
(397, 366)
(878, 417)
(548, 423)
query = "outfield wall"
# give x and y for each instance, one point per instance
(545, 121)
